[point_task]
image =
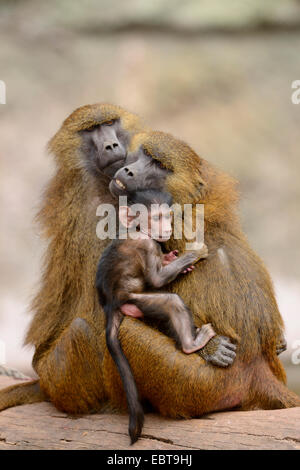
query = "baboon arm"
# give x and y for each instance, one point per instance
(157, 275)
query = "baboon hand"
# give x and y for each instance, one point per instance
(169, 257)
(281, 346)
(188, 270)
(220, 351)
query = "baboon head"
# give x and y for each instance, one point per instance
(158, 160)
(95, 137)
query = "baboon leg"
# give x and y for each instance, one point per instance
(171, 308)
(21, 394)
(70, 373)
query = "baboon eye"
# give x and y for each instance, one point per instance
(160, 165)
(91, 129)
(109, 123)
(146, 152)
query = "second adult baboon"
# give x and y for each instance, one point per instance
(231, 289)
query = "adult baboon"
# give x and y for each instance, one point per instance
(88, 149)
(230, 289)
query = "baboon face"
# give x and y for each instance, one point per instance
(105, 147)
(141, 171)
(95, 137)
(160, 161)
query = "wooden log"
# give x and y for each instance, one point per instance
(41, 426)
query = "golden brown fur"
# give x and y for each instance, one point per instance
(68, 220)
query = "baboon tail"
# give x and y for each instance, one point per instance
(270, 393)
(21, 394)
(136, 414)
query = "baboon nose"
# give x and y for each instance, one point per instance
(128, 171)
(110, 146)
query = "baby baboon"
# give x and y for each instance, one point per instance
(127, 267)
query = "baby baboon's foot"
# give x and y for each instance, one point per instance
(203, 335)
(131, 310)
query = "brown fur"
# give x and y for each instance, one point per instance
(76, 371)
(68, 219)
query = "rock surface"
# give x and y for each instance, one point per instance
(41, 426)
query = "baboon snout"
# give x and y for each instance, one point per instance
(128, 172)
(111, 146)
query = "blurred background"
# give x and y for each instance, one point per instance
(216, 73)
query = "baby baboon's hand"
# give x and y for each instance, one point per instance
(188, 270)
(169, 257)
(220, 351)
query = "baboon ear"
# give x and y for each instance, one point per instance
(201, 182)
(125, 217)
(199, 189)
